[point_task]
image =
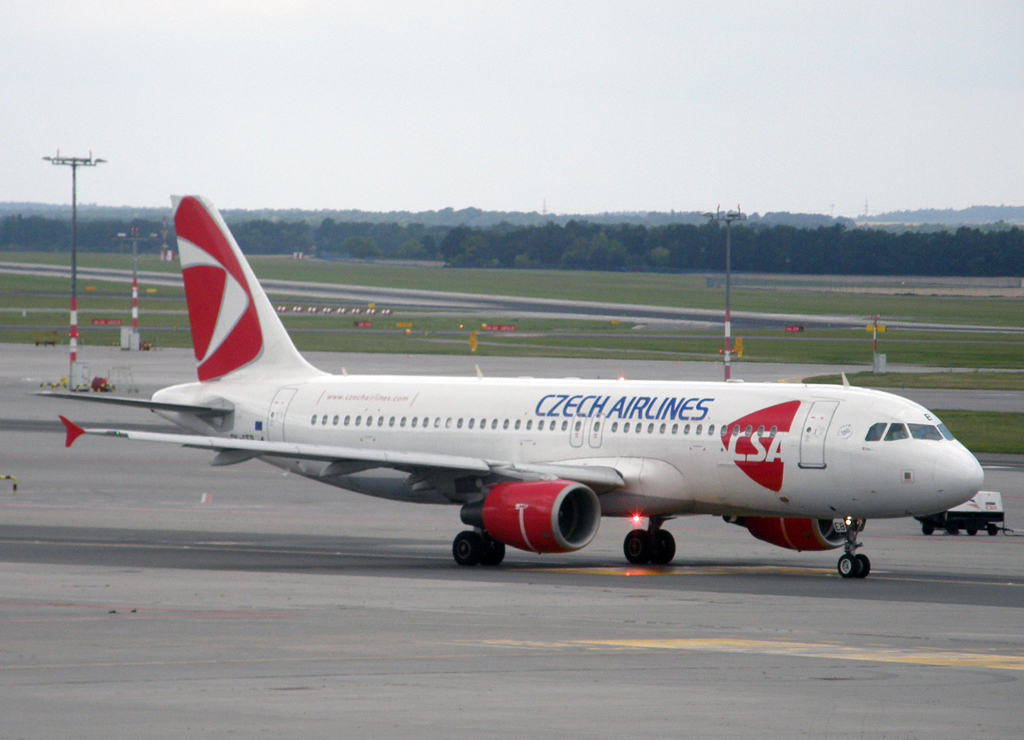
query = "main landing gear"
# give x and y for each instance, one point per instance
(474, 548)
(652, 545)
(851, 564)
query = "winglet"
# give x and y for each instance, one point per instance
(74, 431)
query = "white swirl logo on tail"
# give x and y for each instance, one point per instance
(225, 328)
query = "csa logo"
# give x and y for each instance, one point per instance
(225, 329)
(753, 443)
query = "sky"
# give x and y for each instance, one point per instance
(579, 107)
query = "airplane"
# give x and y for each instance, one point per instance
(536, 463)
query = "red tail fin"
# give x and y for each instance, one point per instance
(233, 324)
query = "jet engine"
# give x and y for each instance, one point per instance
(538, 516)
(794, 534)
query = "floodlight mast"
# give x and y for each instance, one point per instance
(728, 217)
(74, 163)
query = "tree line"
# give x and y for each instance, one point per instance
(581, 245)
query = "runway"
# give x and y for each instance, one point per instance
(285, 608)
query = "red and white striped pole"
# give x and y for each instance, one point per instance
(135, 284)
(74, 163)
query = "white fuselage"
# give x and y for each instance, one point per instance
(788, 450)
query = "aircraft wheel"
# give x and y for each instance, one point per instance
(849, 566)
(865, 566)
(993, 530)
(468, 548)
(494, 552)
(927, 529)
(664, 547)
(638, 546)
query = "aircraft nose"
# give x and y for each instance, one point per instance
(959, 475)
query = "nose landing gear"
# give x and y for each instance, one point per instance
(652, 545)
(851, 564)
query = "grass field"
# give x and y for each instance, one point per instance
(30, 304)
(656, 289)
(986, 431)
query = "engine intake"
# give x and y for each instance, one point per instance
(794, 534)
(541, 516)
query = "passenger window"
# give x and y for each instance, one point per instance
(504, 424)
(615, 426)
(323, 421)
(639, 427)
(686, 429)
(675, 428)
(347, 420)
(402, 422)
(313, 420)
(437, 422)
(518, 422)
(875, 432)
(414, 420)
(471, 423)
(897, 431)
(358, 420)
(391, 421)
(335, 420)
(625, 427)
(945, 432)
(699, 429)
(924, 431)
(760, 431)
(529, 423)
(579, 425)
(773, 431)
(711, 430)
(380, 421)
(597, 426)
(447, 423)
(748, 431)
(650, 428)
(662, 430)
(565, 425)
(494, 423)
(459, 424)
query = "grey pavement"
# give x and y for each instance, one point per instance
(285, 608)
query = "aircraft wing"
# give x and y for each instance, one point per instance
(342, 459)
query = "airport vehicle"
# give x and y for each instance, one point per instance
(536, 463)
(983, 511)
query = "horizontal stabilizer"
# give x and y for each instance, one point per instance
(221, 409)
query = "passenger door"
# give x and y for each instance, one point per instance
(276, 415)
(813, 433)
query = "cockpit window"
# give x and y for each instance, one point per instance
(924, 431)
(945, 432)
(897, 431)
(875, 432)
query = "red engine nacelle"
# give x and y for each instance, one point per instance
(542, 516)
(795, 534)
